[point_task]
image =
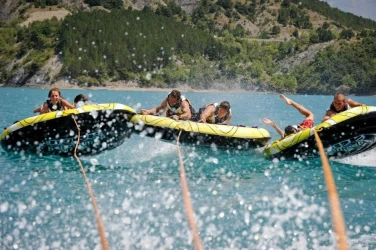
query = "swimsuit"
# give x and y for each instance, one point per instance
(307, 123)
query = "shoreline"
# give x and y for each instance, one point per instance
(131, 86)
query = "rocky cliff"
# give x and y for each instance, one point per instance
(9, 10)
(186, 5)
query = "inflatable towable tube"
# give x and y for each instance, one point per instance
(348, 133)
(102, 127)
(195, 133)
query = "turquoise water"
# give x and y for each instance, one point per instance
(241, 201)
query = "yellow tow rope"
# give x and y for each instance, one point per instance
(335, 206)
(93, 201)
(187, 200)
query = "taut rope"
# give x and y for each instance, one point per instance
(335, 206)
(187, 200)
(93, 201)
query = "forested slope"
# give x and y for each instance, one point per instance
(219, 44)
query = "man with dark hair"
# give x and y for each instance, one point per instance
(293, 129)
(339, 105)
(215, 113)
(177, 107)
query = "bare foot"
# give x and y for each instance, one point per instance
(287, 100)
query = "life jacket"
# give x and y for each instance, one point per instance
(176, 109)
(215, 118)
(346, 107)
(55, 107)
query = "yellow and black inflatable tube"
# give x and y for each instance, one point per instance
(102, 127)
(164, 128)
(347, 133)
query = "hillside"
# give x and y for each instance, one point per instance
(275, 39)
(35, 14)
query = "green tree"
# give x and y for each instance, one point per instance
(226, 4)
(93, 2)
(324, 35)
(276, 30)
(296, 33)
(313, 37)
(283, 16)
(112, 4)
(346, 34)
(238, 31)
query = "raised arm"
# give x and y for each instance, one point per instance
(272, 123)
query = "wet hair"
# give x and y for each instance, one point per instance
(225, 105)
(54, 89)
(81, 98)
(290, 130)
(175, 94)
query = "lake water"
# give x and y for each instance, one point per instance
(241, 201)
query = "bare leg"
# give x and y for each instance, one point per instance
(299, 107)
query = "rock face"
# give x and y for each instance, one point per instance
(186, 5)
(47, 73)
(44, 76)
(303, 57)
(9, 10)
(18, 78)
(75, 4)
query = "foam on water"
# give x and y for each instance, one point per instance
(364, 159)
(241, 200)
